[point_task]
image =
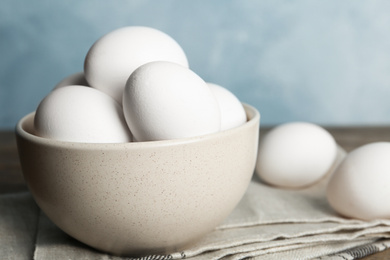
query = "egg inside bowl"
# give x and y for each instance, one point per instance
(142, 197)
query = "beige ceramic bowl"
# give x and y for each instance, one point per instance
(139, 198)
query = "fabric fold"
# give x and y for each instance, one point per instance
(18, 226)
(268, 223)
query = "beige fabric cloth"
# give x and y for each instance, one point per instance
(268, 223)
(26, 233)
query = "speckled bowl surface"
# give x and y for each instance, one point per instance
(139, 198)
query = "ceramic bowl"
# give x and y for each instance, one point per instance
(139, 198)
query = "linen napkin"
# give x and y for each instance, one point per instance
(268, 223)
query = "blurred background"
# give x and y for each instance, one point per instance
(326, 62)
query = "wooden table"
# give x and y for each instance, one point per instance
(11, 179)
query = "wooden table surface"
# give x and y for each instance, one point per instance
(11, 179)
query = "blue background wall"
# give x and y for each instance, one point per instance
(326, 62)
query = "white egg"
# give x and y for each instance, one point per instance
(81, 114)
(232, 111)
(164, 100)
(113, 57)
(73, 79)
(360, 186)
(295, 155)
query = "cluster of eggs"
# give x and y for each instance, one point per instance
(136, 86)
(298, 155)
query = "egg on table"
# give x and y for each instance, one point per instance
(232, 111)
(112, 58)
(81, 114)
(164, 100)
(360, 185)
(295, 155)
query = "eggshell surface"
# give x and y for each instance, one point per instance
(295, 155)
(360, 186)
(164, 100)
(73, 79)
(232, 111)
(113, 57)
(81, 114)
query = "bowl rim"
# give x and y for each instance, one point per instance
(252, 113)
